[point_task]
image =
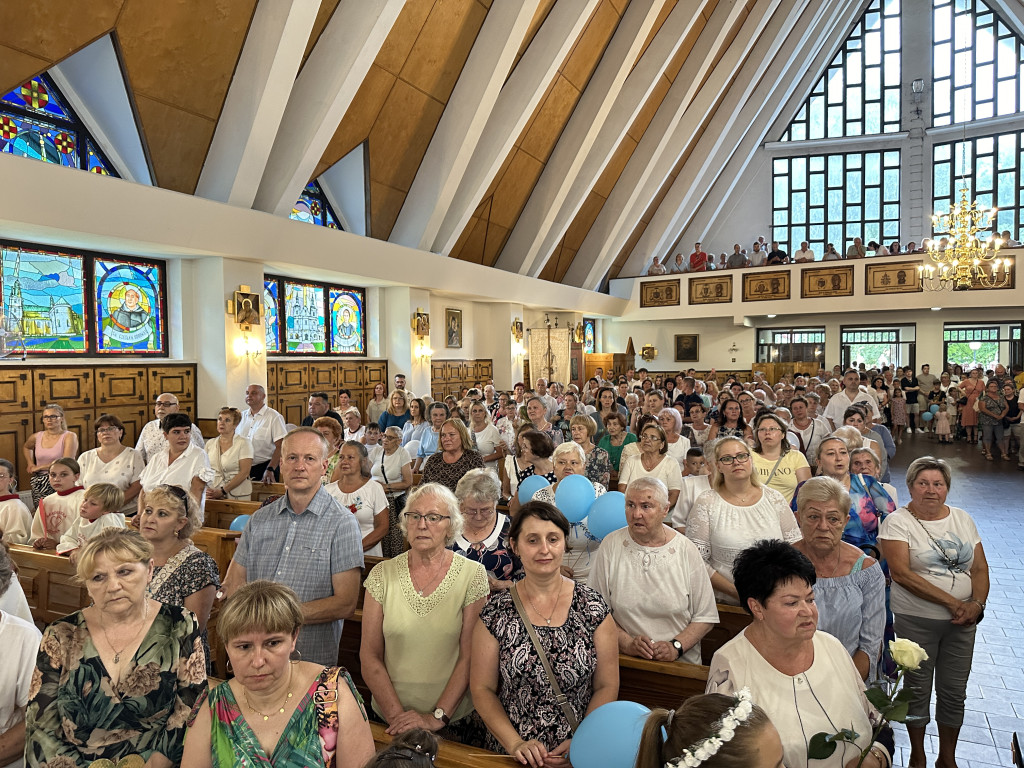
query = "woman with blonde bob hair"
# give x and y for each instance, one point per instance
(135, 665)
(455, 455)
(297, 712)
(737, 511)
(749, 740)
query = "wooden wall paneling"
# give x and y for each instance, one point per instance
(121, 386)
(292, 407)
(80, 422)
(350, 377)
(15, 390)
(134, 418)
(438, 373)
(484, 371)
(293, 378)
(374, 372)
(68, 387)
(271, 378)
(15, 427)
(323, 377)
(178, 380)
(526, 374)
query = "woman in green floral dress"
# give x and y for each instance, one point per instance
(115, 682)
(277, 710)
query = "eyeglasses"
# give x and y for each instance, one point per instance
(165, 403)
(432, 519)
(767, 430)
(742, 458)
(105, 430)
(651, 438)
(50, 417)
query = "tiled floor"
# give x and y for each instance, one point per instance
(993, 493)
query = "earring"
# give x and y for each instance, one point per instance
(227, 666)
(295, 656)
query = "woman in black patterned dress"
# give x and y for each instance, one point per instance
(510, 688)
(183, 575)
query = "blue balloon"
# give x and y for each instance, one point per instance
(927, 416)
(530, 486)
(239, 523)
(609, 737)
(607, 514)
(573, 497)
(934, 409)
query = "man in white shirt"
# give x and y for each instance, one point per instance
(808, 431)
(850, 393)
(151, 439)
(804, 254)
(757, 256)
(542, 392)
(265, 428)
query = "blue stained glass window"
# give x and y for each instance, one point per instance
(129, 306)
(312, 207)
(35, 122)
(42, 302)
(304, 318)
(348, 321)
(272, 314)
(588, 336)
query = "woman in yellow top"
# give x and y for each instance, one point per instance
(775, 461)
(418, 617)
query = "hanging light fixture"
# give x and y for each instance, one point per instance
(961, 259)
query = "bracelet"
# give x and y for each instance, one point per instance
(879, 753)
(976, 602)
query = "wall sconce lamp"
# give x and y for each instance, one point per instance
(248, 347)
(733, 349)
(518, 350)
(423, 350)
(648, 352)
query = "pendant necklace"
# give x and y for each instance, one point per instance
(280, 711)
(553, 608)
(117, 653)
(426, 584)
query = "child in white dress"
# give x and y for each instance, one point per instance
(57, 511)
(15, 517)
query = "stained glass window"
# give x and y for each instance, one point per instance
(977, 63)
(42, 302)
(129, 306)
(313, 207)
(348, 323)
(272, 314)
(859, 94)
(36, 122)
(588, 336)
(304, 318)
(834, 198)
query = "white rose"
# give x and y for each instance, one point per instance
(907, 653)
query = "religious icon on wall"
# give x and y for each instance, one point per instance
(271, 315)
(348, 322)
(892, 277)
(422, 324)
(766, 286)
(247, 308)
(710, 289)
(129, 306)
(453, 328)
(826, 282)
(687, 347)
(659, 293)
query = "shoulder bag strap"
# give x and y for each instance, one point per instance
(325, 699)
(773, 470)
(563, 702)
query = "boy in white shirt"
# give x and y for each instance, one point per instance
(101, 508)
(15, 517)
(58, 510)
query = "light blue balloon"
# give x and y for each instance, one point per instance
(530, 486)
(573, 497)
(927, 416)
(607, 514)
(609, 737)
(934, 409)
(239, 523)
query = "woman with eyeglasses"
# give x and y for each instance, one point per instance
(54, 441)
(355, 492)
(418, 617)
(484, 537)
(777, 464)
(112, 462)
(735, 513)
(653, 461)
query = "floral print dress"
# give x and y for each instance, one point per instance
(75, 713)
(523, 687)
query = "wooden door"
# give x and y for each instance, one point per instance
(178, 380)
(68, 387)
(134, 418)
(271, 378)
(121, 386)
(374, 372)
(80, 421)
(293, 378)
(323, 377)
(15, 427)
(293, 407)
(15, 390)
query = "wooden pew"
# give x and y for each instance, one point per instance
(218, 544)
(263, 491)
(50, 583)
(731, 621)
(220, 512)
(660, 683)
(450, 754)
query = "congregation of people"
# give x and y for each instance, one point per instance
(489, 617)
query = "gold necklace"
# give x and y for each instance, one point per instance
(280, 711)
(117, 653)
(547, 618)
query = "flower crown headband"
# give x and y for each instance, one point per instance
(723, 731)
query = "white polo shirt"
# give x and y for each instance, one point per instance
(840, 401)
(263, 430)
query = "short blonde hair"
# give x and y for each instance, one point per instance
(851, 436)
(180, 501)
(443, 494)
(566, 448)
(234, 413)
(260, 605)
(122, 544)
(583, 420)
(110, 497)
(823, 489)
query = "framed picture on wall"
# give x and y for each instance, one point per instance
(453, 328)
(687, 347)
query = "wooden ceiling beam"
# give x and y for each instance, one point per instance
(650, 163)
(522, 252)
(321, 95)
(462, 123)
(784, 87)
(517, 101)
(256, 101)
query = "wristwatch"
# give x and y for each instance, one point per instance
(439, 714)
(679, 648)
